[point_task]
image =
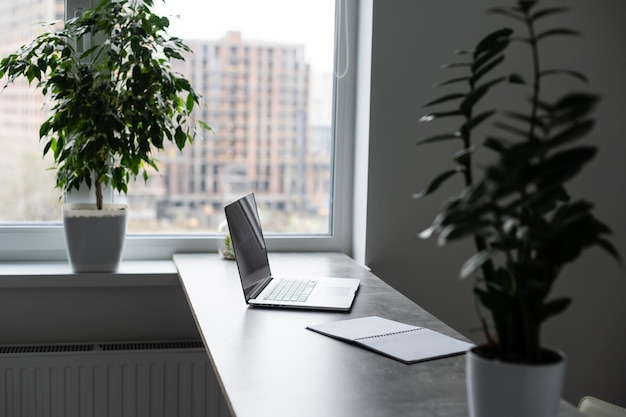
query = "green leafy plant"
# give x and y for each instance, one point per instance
(115, 97)
(524, 223)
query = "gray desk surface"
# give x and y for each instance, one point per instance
(268, 364)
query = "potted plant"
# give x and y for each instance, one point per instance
(525, 224)
(115, 101)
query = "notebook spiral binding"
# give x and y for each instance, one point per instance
(390, 334)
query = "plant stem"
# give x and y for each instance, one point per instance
(480, 243)
(529, 326)
(98, 184)
(532, 37)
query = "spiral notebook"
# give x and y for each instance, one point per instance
(400, 341)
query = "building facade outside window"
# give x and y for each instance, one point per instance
(269, 93)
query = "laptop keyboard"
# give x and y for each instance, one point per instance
(291, 290)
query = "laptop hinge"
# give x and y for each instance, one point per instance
(260, 288)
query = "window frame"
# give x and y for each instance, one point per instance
(45, 241)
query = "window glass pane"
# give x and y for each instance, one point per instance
(27, 190)
(264, 69)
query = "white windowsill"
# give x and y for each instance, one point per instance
(59, 274)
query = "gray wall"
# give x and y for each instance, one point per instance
(411, 39)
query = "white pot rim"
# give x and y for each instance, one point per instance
(90, 210)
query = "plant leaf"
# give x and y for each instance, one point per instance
(511, 129)
(578, 75)
(462, 157)
(474, 263)
(475, 121)
(440, 138)
(497, 144)
(449, 82)
(557, 32)
(457, 65)
(437, 182)
(506, 12)
(444, 99)
(516, 79)
(460, 230)
(426, 234)
(487, 68)
(610, 249)
(554, 307)
(573, 133)
(547, 12)
(565, 165)
(439, 115)
(475, 95)
(572, 107)
(491, 45)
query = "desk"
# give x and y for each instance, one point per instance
(268, 364)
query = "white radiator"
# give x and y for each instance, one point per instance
(168, 379)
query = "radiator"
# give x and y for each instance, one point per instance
(154, 379)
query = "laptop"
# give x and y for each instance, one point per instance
(262, 289)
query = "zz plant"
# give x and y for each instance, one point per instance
(115, 96)
(524, 223)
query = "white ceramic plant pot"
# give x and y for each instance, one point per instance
(94, 238)
(497, 389)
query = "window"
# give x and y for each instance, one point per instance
(269, 93)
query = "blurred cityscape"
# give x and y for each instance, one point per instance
(271, 120)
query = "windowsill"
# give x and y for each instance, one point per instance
(59, 274)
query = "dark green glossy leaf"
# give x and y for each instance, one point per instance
(439, 115)
(180, 138)
(487, 68)
(500, 304)
(462, 230)
(471, 99)
(512, 129)
(450, 81)
(573, 107)
(516, 79)
(554, 307)
(610, 249)
(571, 213)
(557, 32)
(476, 120)
(440, 138)
(457, 65)
(443, 99)
(575, 132)
(47, 147)
(497, 144)
(463, 157)
(473, 264)
(492, 83)
(190, 103)
(578, 75)
(474, 96)
(508, 12)
(566, 164)
(437, 182)
(503, 281)
(527, 5)
(491, 45)
(426, 234)
(548, 12)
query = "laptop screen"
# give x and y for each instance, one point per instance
(247, 239)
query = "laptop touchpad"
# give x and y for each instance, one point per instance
(336, 291)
